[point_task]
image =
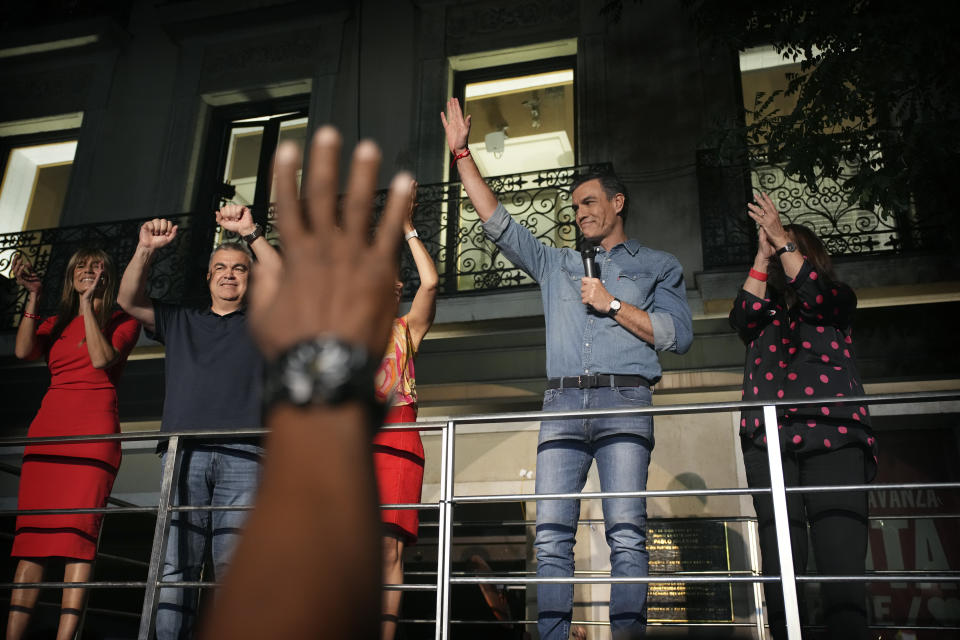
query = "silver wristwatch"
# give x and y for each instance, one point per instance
(323, 371)
(614, 307)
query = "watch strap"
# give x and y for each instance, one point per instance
(253, 235)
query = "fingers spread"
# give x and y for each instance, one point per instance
(286, 163)
(323, 180)
(359, 198)
(388, 232)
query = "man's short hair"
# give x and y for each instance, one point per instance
(612, 185)
(230, 246)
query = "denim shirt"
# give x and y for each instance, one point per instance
(579, 340)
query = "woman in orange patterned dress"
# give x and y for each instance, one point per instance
(398, 455)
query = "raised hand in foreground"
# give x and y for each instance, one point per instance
(308, 564)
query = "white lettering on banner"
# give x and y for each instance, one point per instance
(914, 499)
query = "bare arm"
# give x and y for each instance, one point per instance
(102, 353)
(25, 347)
(237, 218)
(635, 320)
(761, 263)
(132, 293)
(424, 305)
(330, 282)
(458, 131)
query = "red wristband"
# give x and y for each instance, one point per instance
(462, 154)
(757, 275)
(32, 316)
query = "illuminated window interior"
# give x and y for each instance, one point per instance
(34, 186)
(522, 123)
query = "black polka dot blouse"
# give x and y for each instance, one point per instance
(804, 352)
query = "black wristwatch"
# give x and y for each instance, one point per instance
(253, 235)
(789, 247)
(323, 371)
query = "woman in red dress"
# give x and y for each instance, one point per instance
(85, 345)
(398, 455)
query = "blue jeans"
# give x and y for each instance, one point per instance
(621, 446)
(217, 475)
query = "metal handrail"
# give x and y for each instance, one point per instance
(448, 497)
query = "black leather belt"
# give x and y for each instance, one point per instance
(594, 380)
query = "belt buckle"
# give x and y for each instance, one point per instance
(590, 379)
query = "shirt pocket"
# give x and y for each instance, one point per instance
(635, 287)
(569, 285)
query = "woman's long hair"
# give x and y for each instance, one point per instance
(810, 246)
(69, 305)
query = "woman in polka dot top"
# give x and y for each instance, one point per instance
(799, 345)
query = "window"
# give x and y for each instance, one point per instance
(243, 139)
(523, 119)
(36, 174)
(844, 227)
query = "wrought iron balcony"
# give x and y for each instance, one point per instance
(846, 228)
(445, 219)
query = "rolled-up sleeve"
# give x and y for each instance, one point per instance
(671, 318)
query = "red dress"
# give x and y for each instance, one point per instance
(398, 455)
(81, 400)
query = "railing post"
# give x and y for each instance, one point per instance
(445, 532)
(168, 484)
(753, 544)
(441, 531)
(779, 496)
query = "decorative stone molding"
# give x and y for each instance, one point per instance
(506, 19)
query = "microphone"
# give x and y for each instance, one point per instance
(587, 252)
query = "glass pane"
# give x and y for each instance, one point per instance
(520, 124)
(243, 158)
(292, 131)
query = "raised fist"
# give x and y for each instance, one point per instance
(236, 218)
(157, 233)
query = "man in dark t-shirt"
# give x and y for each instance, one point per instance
(213, 374)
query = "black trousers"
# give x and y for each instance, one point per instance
(838, 533)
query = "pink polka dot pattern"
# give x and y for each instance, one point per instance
(803, 352)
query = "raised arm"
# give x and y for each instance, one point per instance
(237, 218)
(26, 346)
(102, 353)
(297, 573)
(132, 293)
(424, 305)
(765, 214)
(458, 131)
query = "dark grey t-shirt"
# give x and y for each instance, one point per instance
(213, 370)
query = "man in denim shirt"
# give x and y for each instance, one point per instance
(603, 335)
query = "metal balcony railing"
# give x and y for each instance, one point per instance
(846, 228)
(445, 219)
(445, 577)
